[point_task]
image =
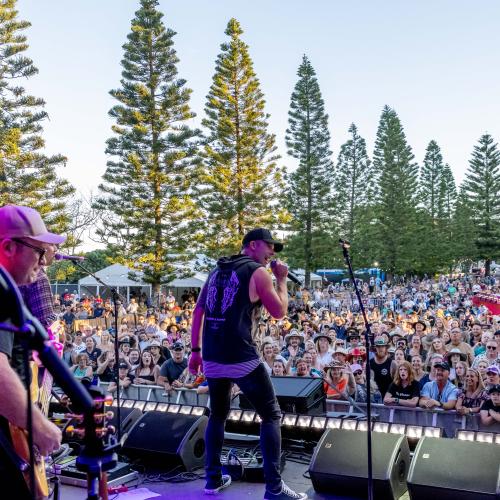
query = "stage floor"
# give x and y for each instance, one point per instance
(292, 475)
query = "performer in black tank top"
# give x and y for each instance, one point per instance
(227, 306)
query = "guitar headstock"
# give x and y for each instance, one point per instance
(94, 428)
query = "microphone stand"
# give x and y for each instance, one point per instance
(345, 245)
(116, 296)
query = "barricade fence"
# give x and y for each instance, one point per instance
(448, 420)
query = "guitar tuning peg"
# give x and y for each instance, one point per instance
(111, 429)
(109, 415)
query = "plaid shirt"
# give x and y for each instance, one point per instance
(39, 299)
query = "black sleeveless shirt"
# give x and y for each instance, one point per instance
(227, 330)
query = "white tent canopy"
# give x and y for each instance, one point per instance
(195, 281)
(116, 276)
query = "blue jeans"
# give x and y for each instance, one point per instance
(259, 390)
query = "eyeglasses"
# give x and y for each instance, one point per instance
(40, 251)
(492, 347)
(357, 373)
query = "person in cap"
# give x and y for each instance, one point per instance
(492, 376)
(382, 365)
(155, 349)
(439, 393)
(490, 409)
(456, 342)
(228, 308)
(24, 244)
(125, 378)
(172, 369)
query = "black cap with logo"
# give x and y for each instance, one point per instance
(264, 235)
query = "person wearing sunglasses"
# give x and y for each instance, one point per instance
(24, 242)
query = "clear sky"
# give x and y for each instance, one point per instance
(435, 62)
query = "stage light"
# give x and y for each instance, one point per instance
(381, 427)
(465, 435)
(128, 403)
(334, 423)
(434, 432)
(497, 438)
(248, 416)
(484, 437)
(140, 405)
(398, 428)
(289, 420)
(414, 432)
(173, 408)
(235, 415)
(349, 424)
(185, 409)
(162, 407)
(304, 421)
(318, 422)
(362, 425)
(150, 406)
(198, 411)
(257, 420)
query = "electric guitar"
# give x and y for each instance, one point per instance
(40, 387)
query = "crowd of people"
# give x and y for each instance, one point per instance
(431, 346)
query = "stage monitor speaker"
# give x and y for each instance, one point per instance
(128, 416)
(168, 439)
(304, 395)
(339, 464)
(451, 469)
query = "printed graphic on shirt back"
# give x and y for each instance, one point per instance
(222, 281)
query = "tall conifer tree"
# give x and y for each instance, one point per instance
(354, 191)
(241, 182)
(27, 175)
(147, 184)
(308, 196)
(397, 175)
(430, 179)
(482, 189)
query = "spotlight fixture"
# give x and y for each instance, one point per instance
(334, 423)
(304, 421)
(362, 425)
(485, 437)
(185, 409)
(414, 432)
(289, 420)
(150, 406)
(257, 420)
(248, 416)
(479, 436)
(381, 427)
(349, 424)
(173, 408)
(198, 411)
(128, 403)
(140, 405)
(318, 423)
(235, 415)
(434, 432)
(162, 407)
(398, 428)
(464, 435)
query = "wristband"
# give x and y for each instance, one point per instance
(396, 400)
(196, 349)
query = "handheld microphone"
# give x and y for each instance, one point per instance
(61, 256)
(293, 277)
(344, 243)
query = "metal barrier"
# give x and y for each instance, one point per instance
(157, 394)
(448, 420)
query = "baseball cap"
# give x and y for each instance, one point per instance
(177, 345)
(25, 222)
(123, 365)
(494, 388)
(356, 367)
(493, 369)
(442, 365)
(264, 235)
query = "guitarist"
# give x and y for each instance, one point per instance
(24, 241)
